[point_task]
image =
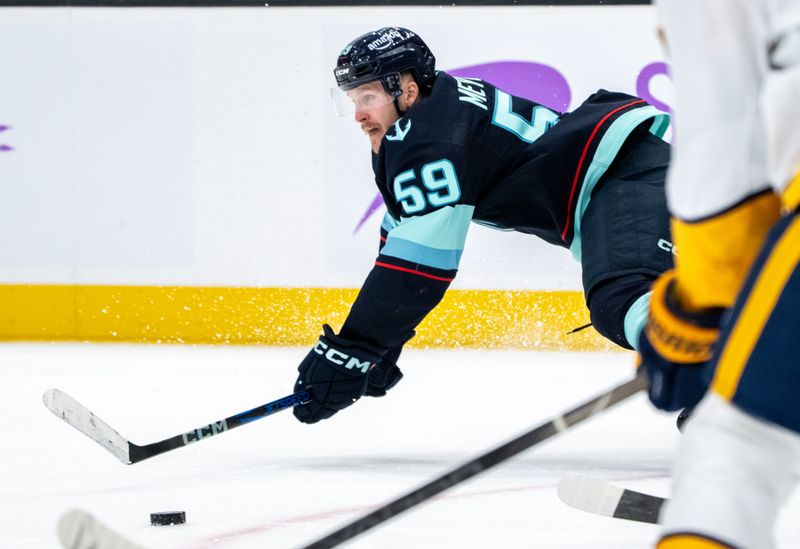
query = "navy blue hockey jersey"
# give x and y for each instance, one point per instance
(470, 152)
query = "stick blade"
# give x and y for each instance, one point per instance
(589, 494)
(78, 529)
(77, 415)
(603, 498)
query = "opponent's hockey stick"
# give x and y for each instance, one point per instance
(481, 463)
(603, 498)
(77, 415)
(79, 530)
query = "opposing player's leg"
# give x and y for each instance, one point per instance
(743, 442)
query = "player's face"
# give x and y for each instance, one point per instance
(375, 111)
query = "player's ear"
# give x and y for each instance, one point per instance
(410, 93)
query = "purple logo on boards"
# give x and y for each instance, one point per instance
(5, 148)
(643, 84)
(376, 203)
(535, 81)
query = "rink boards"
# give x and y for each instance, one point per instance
(283, 316)
(180, 175)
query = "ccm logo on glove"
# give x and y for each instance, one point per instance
(340, 358)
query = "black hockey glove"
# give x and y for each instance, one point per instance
(336, 372)
(386, 374)
(383, 376)
(675, 348)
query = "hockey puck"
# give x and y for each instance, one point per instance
(168, 519)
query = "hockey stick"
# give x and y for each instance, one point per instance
(77, 415)
(78, 529)
(481, 463)
(603, 498)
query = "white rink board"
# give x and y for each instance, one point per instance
(199, 147)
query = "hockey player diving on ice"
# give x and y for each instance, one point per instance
(447, 152)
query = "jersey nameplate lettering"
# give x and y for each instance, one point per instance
(471, 91)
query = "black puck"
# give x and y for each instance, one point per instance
(168, 518)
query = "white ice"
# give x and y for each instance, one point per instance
(279, 484)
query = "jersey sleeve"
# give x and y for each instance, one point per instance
(423, 245)
(387, 225)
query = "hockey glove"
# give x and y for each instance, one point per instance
(383, 376)
(336, 372)
(675, 348)
(386, 374)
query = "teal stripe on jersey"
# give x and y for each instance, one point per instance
(635, 319)
(423, 255)
(660, 125)
(607, 150)
(388, 222)
(435, 239)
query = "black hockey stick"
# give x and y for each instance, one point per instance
(481, 464)
(603, 498)
(77, 415)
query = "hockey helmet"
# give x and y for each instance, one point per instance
(383, 55)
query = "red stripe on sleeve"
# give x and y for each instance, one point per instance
(411, 271)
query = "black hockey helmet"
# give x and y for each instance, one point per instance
(383, 55)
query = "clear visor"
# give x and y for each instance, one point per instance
(363, 98)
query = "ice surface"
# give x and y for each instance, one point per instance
(279, 484)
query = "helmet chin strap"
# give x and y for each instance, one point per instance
(397, 108)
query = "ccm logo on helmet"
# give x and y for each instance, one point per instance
(340, 358)
(340, 72)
